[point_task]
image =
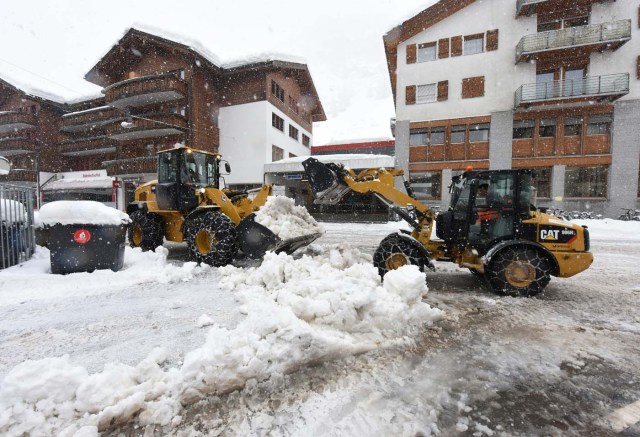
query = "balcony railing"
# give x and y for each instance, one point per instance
(146, 90)
(529, 7)
(16, 146)
(148, 126)
(143, 164)
(89, 119)
(598, 36)
(13, 121)
(20, 175)
(87, 146)
(609, 87)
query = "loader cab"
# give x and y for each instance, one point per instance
(486, 208)
(182, 171)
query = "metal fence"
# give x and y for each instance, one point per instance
(17, 240)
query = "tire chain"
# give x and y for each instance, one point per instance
(496, 273)
(224, 232)
(393, 243)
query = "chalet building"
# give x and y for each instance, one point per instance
(552, 85)
(155, 93)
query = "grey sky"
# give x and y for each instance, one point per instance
(340, 40)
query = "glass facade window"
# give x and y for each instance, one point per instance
(478, 132)
(599, 125)
(523, 129)
(418, 137)
(427, 185)
(547, 128)
(542, 182)
(458, 134)
(276, 153)
(572, 126)
(277, 122)
(437, 136)
(588, 182)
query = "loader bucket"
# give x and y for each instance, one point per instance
(255, 239)
(327, 187)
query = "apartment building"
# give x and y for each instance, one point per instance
(552, 85)
(157, 92)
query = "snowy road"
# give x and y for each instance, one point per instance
(561, 364)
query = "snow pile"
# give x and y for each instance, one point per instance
(281, 215)
(139, 268)
(299, 312)
(12, 211)
(86, 212)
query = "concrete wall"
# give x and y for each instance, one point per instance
(500, 150)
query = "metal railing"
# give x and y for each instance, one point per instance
(609, 85)
(142, 164)
(17, 240)
(574, 36)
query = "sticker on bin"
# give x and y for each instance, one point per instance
(82, 236)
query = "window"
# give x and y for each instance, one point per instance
(547, 128)
(523, 129)
(293, 104)
(458, 134)
(427, 185)
(437, 136)
(418, 137)
(276, 153)
(478, 132)
(572, 126)
(542, 182)
(427, 52)
(277, 122)
(473, 44)
(586, 182)
(599, 125)
(306, 141)
(291, 155)
(277, 91)
(293, 132)
(426, 93)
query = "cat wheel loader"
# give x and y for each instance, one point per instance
(491, 227)
(186, 203)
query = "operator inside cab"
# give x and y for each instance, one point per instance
(493, 207)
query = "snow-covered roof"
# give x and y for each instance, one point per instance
(355, 141)
(348, 160)
(78, 183)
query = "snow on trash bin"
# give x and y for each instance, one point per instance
(84, 235)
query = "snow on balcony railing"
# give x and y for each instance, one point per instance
(609, 85)
(574, 36)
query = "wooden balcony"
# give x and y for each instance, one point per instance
(530, 7)
(90, 119)
(87, 147)
(20, 176)
(131, 166)
(591, 38)
(16, 146)
(145, 91)
(567, 92)
(148, 126)
(14, 121)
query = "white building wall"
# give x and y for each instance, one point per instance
(502, 75)
(246, 137)
(624, 59)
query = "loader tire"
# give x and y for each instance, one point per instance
(212, 238)
(522, 272)
(146, 230)
(395, 252)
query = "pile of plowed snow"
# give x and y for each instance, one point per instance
(281, 215)
(298, 312)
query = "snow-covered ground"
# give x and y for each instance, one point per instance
(315, 345)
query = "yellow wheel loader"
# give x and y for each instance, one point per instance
(492, 226)
(186, 203)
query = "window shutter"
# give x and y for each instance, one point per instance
(473, 87)
(443, 48)
(411, 54)
(411, 95)
(456, 46)
(492, 40)
(443, 90)
(638, 68)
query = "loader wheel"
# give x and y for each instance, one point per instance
(212, 239)
(395, 252)
(519, 272)
(146, 230)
